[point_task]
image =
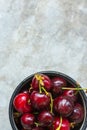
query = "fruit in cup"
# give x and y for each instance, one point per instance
(27, 121)
(57, 84)
(39, 109)
(41, 79)
(78, 113)
(39, 100)
(63, 105)
(22, 102)
(45, 118)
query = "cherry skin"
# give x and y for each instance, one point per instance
(63, 105)
(21, 102)
(39, 101)
(64, 126)
(27, 121)
(45, 119)
(78, 114)
(71, 94)
(57, 84)
(46, 82)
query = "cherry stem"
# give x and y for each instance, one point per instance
(44, 90)
(60, 124)
(29, 101)
(30, 87)
(37, 124)
(72, 124)
(51, 104)
(35, 113)
(40, 87)
(16, 114)
(74, 88)
(47, 93)
(40, 79)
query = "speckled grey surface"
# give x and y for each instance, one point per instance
(38, 35)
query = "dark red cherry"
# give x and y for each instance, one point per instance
(43, 80)
(65, 125)
(39, 101)
(22, 103)
(45, 119)
(27, 121)
(71, 94)
(78, 113)
(57, 84)
(63, 105)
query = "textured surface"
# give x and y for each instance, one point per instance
(40, 35)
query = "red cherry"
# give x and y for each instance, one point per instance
(71, 94)
(21, 102)
(57, 84)
(27, 121)
(39, 101)
(44, 80)
(63, 105)
(64, 126)
(45, 119)
(78, 114)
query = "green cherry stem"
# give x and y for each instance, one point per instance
(74, 88)
(44, 90)
(51, 99)
(40, 80)
(51, 104)
(40, 88)
(60, 124)
(35, 113)
(37, 124)
(16, 114)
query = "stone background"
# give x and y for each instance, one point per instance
(38, 35)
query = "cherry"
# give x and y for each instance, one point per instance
(64, 125)
(63, 105)
(78, 113)
(39, 101)
(71, 94)
(21, 102)
(41, 80)
(27, 121)
(57, 84)
(45, 118)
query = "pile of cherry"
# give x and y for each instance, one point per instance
(46, 105)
